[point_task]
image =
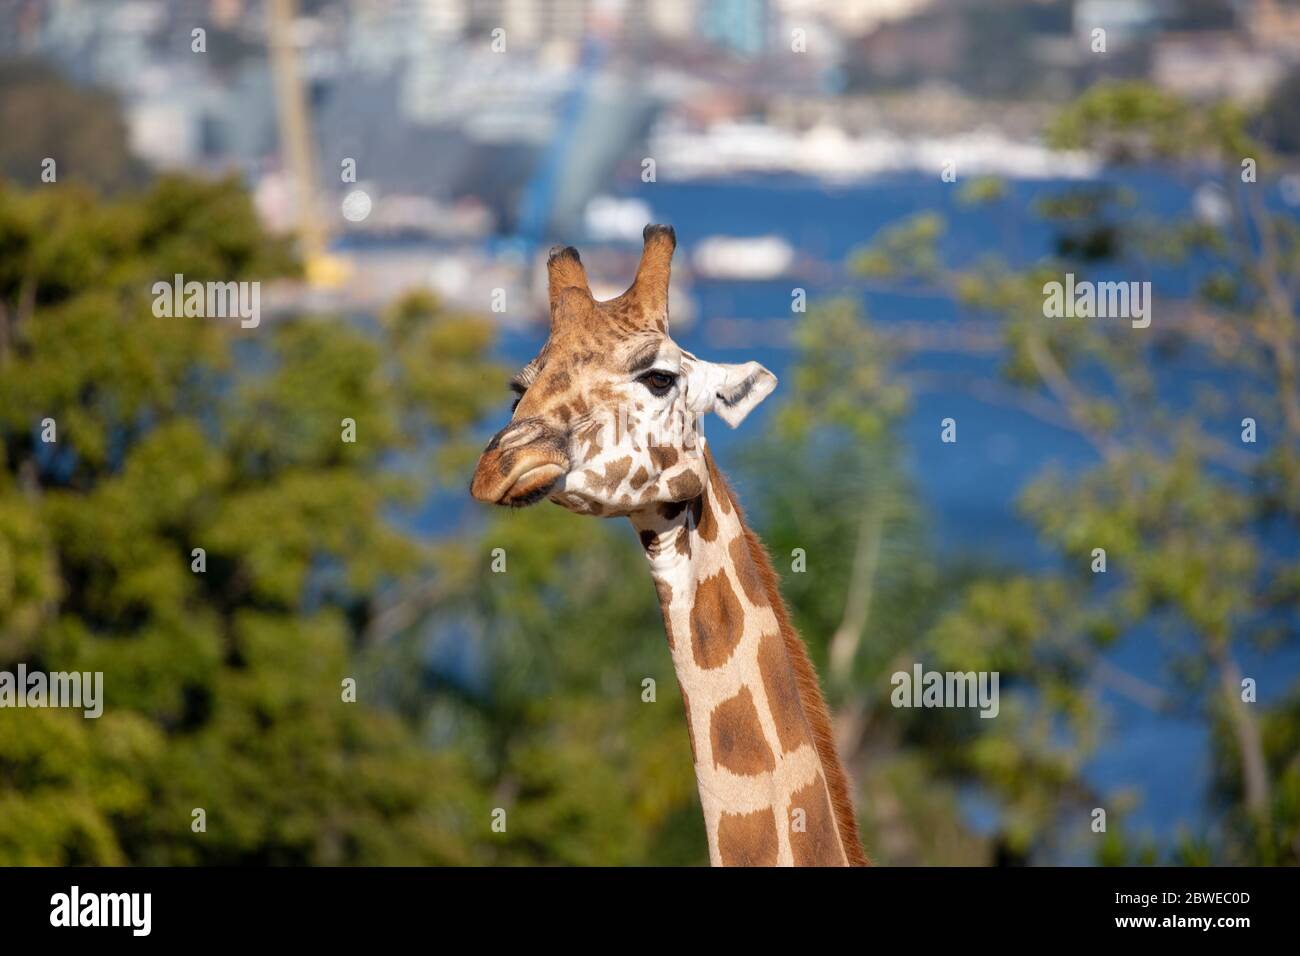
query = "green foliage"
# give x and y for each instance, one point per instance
(982, 190)
(587, 770)
(870, 589)
(1194, 528)
(841, 379)
(903, 251)
(222, 688)
(1131, 121)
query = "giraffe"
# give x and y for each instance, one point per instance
(607, 423)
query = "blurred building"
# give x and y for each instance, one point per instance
(435, 116)
(532, 24)
(1125, 21)
(1273, 24)
(912, 47)
(741, 27)
(1209, 64)
(854, 17)
(671, 19)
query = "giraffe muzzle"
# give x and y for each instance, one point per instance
(517, 475)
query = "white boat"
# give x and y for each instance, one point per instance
(828, 152)
(750, 258)
(611, 219)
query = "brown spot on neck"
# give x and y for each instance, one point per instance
(664, 591)
(717, 621)
(782, 693)
(705, 519)
(812, 833)
(747, 573)
(685, 486)
(737, 736)
(747, 839)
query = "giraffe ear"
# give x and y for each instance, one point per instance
(733, 391)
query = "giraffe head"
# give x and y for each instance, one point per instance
(608, 416)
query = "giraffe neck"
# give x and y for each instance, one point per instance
(770, 783)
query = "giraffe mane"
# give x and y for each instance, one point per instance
(811, 700)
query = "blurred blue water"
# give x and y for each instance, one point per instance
(969, 488)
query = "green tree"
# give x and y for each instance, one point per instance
(1198, 527)
(860, 577)
(223, 686)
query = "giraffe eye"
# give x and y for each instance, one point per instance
(658, 382)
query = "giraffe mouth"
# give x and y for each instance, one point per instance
(531, 486)
(516, 478)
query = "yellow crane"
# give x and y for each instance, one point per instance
(322, 268)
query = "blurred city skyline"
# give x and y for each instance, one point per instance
(461, 133)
